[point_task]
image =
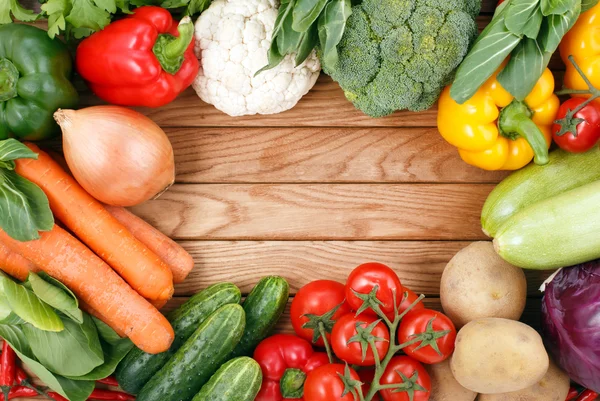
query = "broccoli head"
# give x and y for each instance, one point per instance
(399, 54)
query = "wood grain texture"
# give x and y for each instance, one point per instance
(319, 211)
(327, 155)
(419, 264)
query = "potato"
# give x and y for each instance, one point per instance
(477, 283)
(554, 386)
(444, 386)
(494, 356)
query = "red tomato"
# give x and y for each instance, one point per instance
(406, 302)
(417, 380)
(318, 298)
(363, 280)
(587, 132)
(324, 384)
(434, 328)
(352, 352)
(366, 377)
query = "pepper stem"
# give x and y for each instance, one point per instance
(170, 49)
(9, 76)
(515, 120)
(292, 383)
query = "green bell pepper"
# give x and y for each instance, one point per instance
(34, 82)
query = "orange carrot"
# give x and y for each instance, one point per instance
(65, 258)
(96, 314)
(88, 220)
(180, 262)
(158, 304)
(14, 264)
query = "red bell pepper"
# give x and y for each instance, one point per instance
(285, 361)
(145, 59)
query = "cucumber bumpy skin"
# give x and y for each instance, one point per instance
(264, 306)
(138, 367)
(199, 358)
(238, 380)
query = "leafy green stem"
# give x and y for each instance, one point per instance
(323, 334)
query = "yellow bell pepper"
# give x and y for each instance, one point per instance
(582, 43)
(493, 131)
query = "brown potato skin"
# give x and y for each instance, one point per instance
(494, 356)
(477, 283)
(554, 386)
(444, 386)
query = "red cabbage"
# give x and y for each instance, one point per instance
(571, 322)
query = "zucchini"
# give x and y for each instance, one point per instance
(561, 231)
(138, 367)
(534, 183)
(198, 359)
(238, 380)
(264, 306)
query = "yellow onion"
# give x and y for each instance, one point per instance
(118, 155)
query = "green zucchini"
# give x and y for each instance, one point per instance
(198, 359)
(238, 380)
(534, 183)
(264, 306)
(138, 367)
(557, 232)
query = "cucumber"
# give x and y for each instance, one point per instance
(198, 359)
(238, 380)
(138, 367)
(264, 306)
(557, 232)
(534, 183)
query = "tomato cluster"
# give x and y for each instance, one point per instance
(355, 320)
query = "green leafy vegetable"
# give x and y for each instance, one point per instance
(7, 316)
(555, 27)
(105, 332)
(550, 7)
(56, 294)
(28, 307)
(71, 389)
(113, 354)
(587, 4)
(532, 28)
(12, 6)
(332, 24)
(494, 44)
(518, 14)
(522, 72)
(24, 208)
(75, 351)
(306, 13)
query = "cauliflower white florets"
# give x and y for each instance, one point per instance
(233, 38)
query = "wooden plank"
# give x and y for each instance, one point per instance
(319, 211)
(531, 315)
(324, 106)
(418, 264)
(328, 155)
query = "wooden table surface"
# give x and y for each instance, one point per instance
(313, 192)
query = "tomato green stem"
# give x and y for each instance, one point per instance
(323, 334)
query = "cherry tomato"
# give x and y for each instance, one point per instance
(363, 280)
(587, 132)
(353, 352)
(411, 297)
(324, 384)
(436, 331)
(318, 298)
(417, 380)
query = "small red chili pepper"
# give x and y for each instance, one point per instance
(56, 396)
(8, 365)
(587, 395)
(109, 381)
(21, 377)
(19, 391)
(572, 394)
(99, 394)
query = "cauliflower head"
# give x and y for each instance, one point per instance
(232, 41)
(400, 54)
